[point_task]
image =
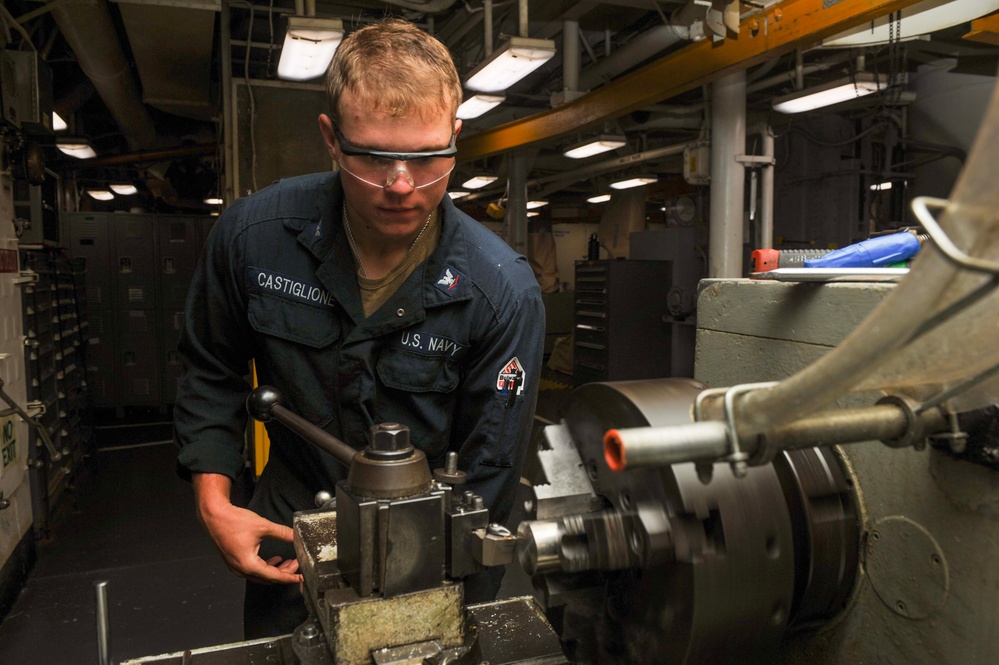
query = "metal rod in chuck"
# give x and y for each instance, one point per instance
(103, 623)
(708, 440)
(661, 446)
(264, 404)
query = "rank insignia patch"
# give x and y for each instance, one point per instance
(450, 280)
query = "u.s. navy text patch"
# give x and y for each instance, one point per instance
(291, 288)
(429, 344)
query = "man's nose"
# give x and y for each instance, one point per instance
(399, 179)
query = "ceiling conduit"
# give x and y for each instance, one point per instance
(90, 33)
(684, 25)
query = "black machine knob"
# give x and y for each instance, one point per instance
(261, 401)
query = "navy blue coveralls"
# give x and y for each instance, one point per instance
(455, 354)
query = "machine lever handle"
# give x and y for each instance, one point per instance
(264, 404)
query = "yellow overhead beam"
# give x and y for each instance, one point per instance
(778, 30)
(985, 30)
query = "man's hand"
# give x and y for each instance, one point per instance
(237, 533)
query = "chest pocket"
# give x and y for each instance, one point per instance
(417, 373)
(316, 327)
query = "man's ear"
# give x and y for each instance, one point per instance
(326, 127)
(457, 127)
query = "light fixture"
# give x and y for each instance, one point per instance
(58, 124)
(100, 194)
(213, 201)
(913, 21)
(599, 198)
(515, 59)
(479, 181)
(634, 181)
(840, 90)
(309, 45)
(540, 203)
(457, 194)
(478, 104)
(75, 146)
(595, 146)
(881, 186)
(123, 189)
(533, 214)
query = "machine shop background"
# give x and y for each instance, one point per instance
(129, 126)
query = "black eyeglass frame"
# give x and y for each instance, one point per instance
(348, 148)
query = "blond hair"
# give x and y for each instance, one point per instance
(396, 68)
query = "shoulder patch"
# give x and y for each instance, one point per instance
(511, 379)
(450, 281)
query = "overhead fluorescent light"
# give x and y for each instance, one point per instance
(124, 189)
(595, 146)
(599, 198)
(309, 45)
(636, 181)
(515, 59)
(457, 194)
(916, 20)
(881, 186)
(479, 181)
(533, 214)
(58, 124)
(478, 104)
(540, 203)
(841, 90)
(100, 194)
(76, 147)
(213, 201)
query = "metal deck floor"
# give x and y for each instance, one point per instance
(132, 523)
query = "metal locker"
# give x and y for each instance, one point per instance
(101, 357)
(90, 239)
(177, 243)
(205, 225)
(172, 322)
(138, 360)
(134, 261)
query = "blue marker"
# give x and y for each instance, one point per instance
(873, 253)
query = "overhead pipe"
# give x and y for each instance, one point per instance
(487, 25)
(149, 156)
(646, 45)
(91, 34)
(430, 7)
(792, 74)
(766, 233)
(562, 180)
(641, 48)
(728, 139)
(516, 206)
(229, 161)
(570, 56)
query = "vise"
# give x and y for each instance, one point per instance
(382, 561)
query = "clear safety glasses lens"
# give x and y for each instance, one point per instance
(383, 173)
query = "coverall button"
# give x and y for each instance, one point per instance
(400, 311)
